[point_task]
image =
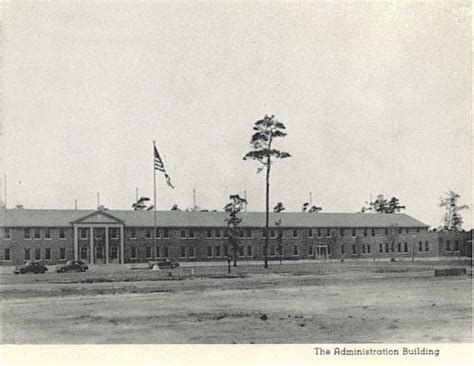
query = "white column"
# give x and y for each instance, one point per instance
(107, 245)
(122, 249)
(76, 243)
(91, 256)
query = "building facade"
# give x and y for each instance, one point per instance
(108, 237)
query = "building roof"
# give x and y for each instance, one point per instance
(64, 218)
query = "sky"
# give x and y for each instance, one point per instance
(376, 98)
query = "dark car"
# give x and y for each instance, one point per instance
(33, 267)
(164, 263)
(73, 266)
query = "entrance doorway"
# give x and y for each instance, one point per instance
(321, 252)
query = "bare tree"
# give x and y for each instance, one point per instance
(266, 130)
(452, 219)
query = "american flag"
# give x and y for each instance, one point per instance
(161, 167)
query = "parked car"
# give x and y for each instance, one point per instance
(73, 266)
(164, 263)
(31, 266)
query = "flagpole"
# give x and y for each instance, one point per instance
(154, 201)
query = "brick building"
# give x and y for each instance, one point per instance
(103, 236)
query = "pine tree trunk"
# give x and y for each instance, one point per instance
(267, 209)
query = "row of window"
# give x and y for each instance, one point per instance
(84, 233)
(454, 248)
(36, 254)
(35, 233)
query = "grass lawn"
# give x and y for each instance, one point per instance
(332, 302)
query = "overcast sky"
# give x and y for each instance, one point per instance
(376, 98)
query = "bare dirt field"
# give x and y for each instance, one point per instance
(359, 302)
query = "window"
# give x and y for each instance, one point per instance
(241, 233)
(368, 248)
(191, 252)
(6, 233)
(399, 247)
(380, 248)
(191, 233)
(365, 232)
(399, 231)
(319, 232)
(310, 250)
(182, 233)
(114, 233)
(209, 251)
(99, 252)
(386, 248)
(264, 233)
(37, 233)
(47, 233)
(98, 233)
(148, 233)
(373, 232)
(328, 233)
(280, 250)
(157, 251)
(62, 253)
(226, 233)
(166, 233)
(133, 252)
(37, 254)
(329, 249)
(27, 233)
(295, 233)
(427, 246)
(420, 246)
(448, 246)
(47, 254)
(249, 250)
(157, 233)
(218, 233)
(6, 254)
(182, 252)
(218, 251)
(84, 233)
(27, 254)
(249, 233)
(226, 250)
(354, 249)
(133, 233)
(354, 232)
(241, 251)
(209, 233)
(84, 251)
(417, 230)
(272, 250)
(405, 247)
(113, 252)
(310, 233)
(386, 231)
(341, 232)
(295, 249)
(148, 252)
(363, 248)
(166, 252)
(456, 245)
(343, 249)
(272, 233)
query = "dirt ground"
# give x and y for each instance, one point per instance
(328, 303)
